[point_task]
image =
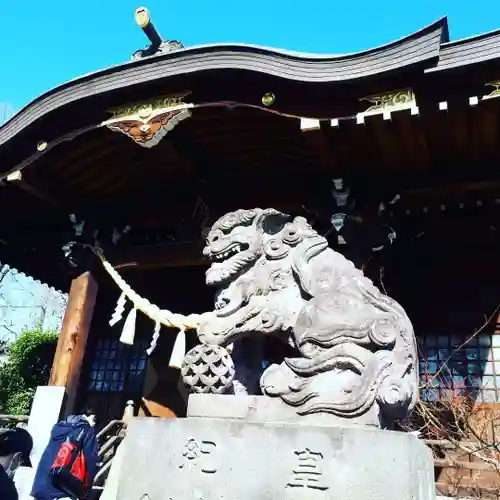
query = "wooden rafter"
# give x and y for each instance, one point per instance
(20, 180)
(319, 143)
(148, 257)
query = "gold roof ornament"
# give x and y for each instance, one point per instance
(146, 123)
(496, 89)
(142, 17)
(389, 102)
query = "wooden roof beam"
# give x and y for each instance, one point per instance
(457, 189)
(19, 179)
(194, 155)
(317, 140)
(201, 162)
(155, 256)
(113, 184)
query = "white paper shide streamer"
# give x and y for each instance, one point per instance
(118, 312)
(128, 332)
(179, 350)
(154, 341)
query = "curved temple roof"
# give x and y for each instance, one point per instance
(426, 52)
(471, 50)
(420, 48)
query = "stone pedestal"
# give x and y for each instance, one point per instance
(213, 458)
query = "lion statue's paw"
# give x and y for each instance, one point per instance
(277, 380)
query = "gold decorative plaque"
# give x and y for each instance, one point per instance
(147, 122)
(392, 101)
(496, 89)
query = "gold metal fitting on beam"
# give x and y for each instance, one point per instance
(268, 99)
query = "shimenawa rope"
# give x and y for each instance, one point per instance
(159, 316)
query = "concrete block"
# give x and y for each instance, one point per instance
(45, 413)
(226, 459)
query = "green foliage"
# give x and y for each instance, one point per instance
(27, 366)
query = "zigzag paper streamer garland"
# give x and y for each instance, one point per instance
(156, 336)
(117, 315)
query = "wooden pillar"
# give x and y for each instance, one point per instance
(73, 337)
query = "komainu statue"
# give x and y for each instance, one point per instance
(355, 348)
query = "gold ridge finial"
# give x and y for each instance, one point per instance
(142, 17)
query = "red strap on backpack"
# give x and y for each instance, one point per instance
(69, 469)
(79, 468)
(65, 454)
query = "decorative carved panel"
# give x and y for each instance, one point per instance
(496, 89)
(391, 101)
(148, 122)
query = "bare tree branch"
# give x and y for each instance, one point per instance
(463, 433)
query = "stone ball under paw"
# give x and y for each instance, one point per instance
(208, 369)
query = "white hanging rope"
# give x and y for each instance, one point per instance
(152, 311)
(159, 316)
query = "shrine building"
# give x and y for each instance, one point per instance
(391, 153)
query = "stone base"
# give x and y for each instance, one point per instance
(226, 459)
(262, 409)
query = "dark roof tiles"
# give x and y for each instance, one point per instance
(468, 51)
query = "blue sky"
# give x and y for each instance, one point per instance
(47, 43)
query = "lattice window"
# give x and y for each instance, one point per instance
(447, 366)
(117, 367)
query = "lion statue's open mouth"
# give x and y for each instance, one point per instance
(228, 262)
(275, 275)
